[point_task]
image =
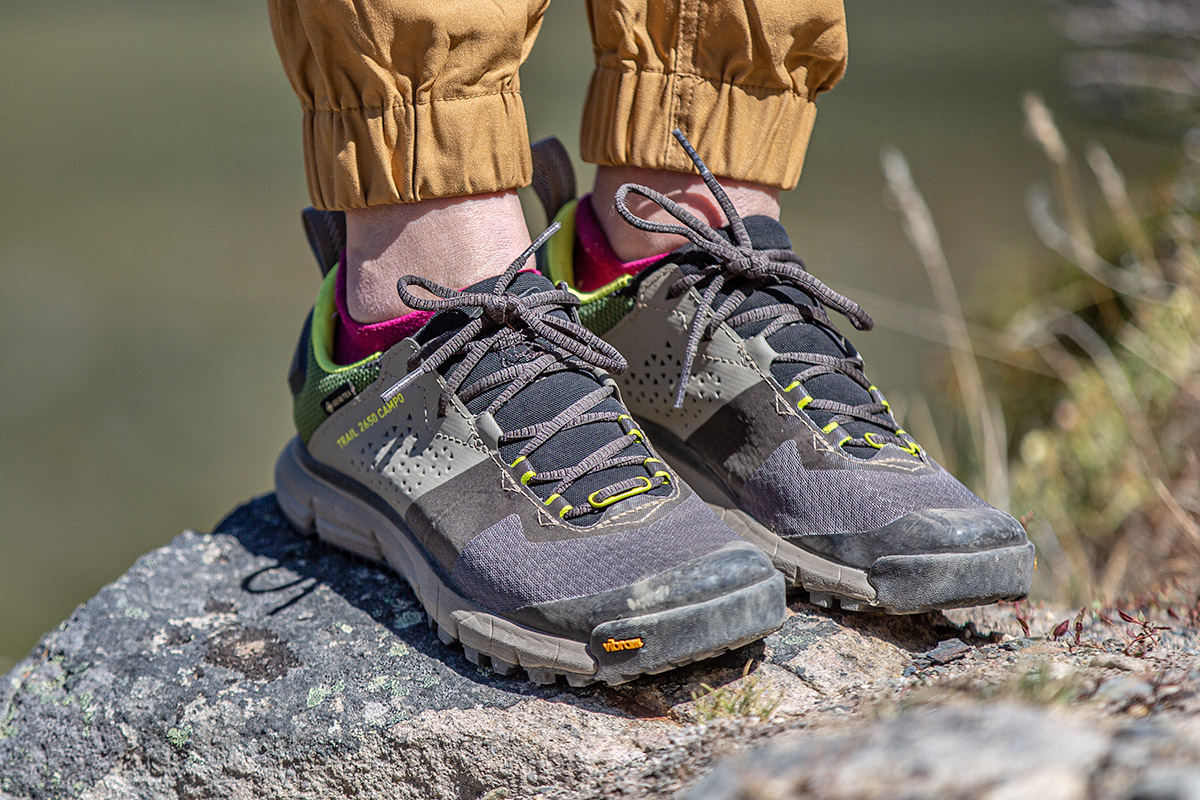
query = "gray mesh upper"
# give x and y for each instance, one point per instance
(502, 570)
(791, 499)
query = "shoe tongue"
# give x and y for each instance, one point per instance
(768, 234)
(765, 233)
(524, 283)
(541, 401)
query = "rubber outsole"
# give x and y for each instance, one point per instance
(668, 639)
(909, 584)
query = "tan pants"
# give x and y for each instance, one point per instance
(406, 100)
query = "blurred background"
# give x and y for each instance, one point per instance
(155, 274)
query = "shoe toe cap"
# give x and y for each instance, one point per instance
(924, 532)
(733, 567)
(723, 572)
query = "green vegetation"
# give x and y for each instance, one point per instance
(744, 698)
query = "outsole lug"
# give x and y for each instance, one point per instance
(445, 635)
(542, 677)
(821, 599)
(501, 667)
(578, 681)
(474, 656)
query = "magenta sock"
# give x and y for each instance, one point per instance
(596, 264)
(354, 341)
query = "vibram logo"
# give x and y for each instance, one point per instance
(613, 645)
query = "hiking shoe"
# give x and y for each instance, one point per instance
(750, 392)
(489, 461)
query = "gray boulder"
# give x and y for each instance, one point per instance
(253, 662)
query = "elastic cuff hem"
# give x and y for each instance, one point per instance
(742, 132)
(405, 153)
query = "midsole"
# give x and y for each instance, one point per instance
(362, 495)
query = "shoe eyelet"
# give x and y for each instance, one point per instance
(608, 501)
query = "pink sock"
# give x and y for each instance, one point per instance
(353, 341)
(596, 264)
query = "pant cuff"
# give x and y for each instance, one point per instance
(745, 133)
(404, 153)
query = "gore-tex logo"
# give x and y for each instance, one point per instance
(338, 398)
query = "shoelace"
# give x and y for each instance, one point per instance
(503, 321)
(744, 269)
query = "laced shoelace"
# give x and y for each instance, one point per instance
(551, 343)
(742, 269)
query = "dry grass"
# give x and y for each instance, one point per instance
(1096, 428)
(744, 698)
(1113, 475)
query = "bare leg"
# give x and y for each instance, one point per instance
(455, 241)
(688, 190)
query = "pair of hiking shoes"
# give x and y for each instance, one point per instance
(608, 484)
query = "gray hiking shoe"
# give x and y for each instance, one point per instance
(753, 396)
(489, 461)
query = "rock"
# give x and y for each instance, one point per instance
(948, 651)
(1122, 691)
(1168, 785)
(945, 753)
(982, 752)
(255, 662)
(1116, 661)
(236, 663)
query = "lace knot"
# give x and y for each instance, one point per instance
(735, 259)
(749, 263)
(502, 309)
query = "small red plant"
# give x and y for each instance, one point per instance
(1022, 617)
(1144, 637)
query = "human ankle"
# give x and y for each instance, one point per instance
(454, 241)
(595, 264)
(687, 189)
(353, 341)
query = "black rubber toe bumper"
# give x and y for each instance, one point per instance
(647, 644)
(698, 609)
(928, 532)
(688, 585)
(937, 558)
(908, 584)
